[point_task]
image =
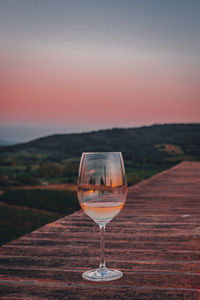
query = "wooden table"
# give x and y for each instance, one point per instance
(155, 241)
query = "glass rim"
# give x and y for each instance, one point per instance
(101, 152)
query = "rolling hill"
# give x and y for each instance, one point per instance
(143, 144)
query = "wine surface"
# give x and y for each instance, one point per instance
(101, 204)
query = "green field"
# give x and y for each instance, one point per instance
(137, 174)
(26, 210)
(15, 222)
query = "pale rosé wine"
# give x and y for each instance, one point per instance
(102, 212)
(101, 204)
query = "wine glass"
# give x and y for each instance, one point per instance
(102, 190)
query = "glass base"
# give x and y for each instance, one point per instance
(102, 274)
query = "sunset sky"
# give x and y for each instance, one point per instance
(72, 66)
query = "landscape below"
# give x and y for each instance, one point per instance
(38, 178)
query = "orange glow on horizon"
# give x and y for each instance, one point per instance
(75, 95)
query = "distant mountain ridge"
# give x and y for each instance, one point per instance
(135, 143)
(6, 142)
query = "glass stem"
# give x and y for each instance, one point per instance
(102, 264)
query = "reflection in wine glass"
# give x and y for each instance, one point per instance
(102, 194)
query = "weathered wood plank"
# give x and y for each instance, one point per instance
(47, 290)
(155, 241)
